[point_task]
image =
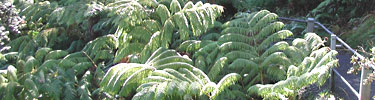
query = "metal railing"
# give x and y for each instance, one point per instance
(365, 89)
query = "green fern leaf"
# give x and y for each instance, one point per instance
(171, 59)
(163, 13)
(131, 82)
(225, 82)
(182, 23)
(162, 55)
(175, 7)
(273, 38)
(217, 68)
(31, 63)
(41, 53)
(230, 46)
(177, 74)
(56, 54)
(264, 21)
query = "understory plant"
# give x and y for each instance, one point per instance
(252, 45)
(165, 75)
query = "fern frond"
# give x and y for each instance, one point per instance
(275, 58)
(191, 76)
(112, 84)
(238, 30)
(11, 56)
(326, 59)
(295, 54)
(12, 74)
(243, 64)
(152, 25)
(175, 65)
(182, 23)
(31, 63)
(192, 46)
(127, 50)
(157, 79)
(206, 49)
(131, 82)
(264, 21)
(80, 68)
(276, 73)
(16, 43)
(171, 59)
(188, 5)
(161, 91)
(230, 37)
(41, 53)
(194, 88)
(314, 41)
(279, 46)
(167, 33)
(208, 89)
(47, 65)
(269, 29)
(195, 21)
(141, 34)
(225, 82)
(273, 38)
(200, 63)
(258, 16)
(233, 55)
(31, 88)
(178, 74)
(145, 93)
(131, 12)
(108, 42)
(217, 68)
(305, 65)
(156, 54)
(69, 91)
(236, 23)
(162, 55)
(174, 7)
(205, 79)
(230, 46)
(163, 13)
(164, 74)
(211, 36)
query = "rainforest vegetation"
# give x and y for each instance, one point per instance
(170, 49)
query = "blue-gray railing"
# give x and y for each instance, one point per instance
(364, 89)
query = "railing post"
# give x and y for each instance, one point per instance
(365, 89)
(310, 24)
(332, 79)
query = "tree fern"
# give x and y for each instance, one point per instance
(293, 83)
(259, 52)
(182, 89)
(172, 19)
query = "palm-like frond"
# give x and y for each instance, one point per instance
(217, 68)
(196, 18)
(316, 72)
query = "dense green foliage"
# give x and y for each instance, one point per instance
(363, 34)
(156, 49)
(323, 10)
